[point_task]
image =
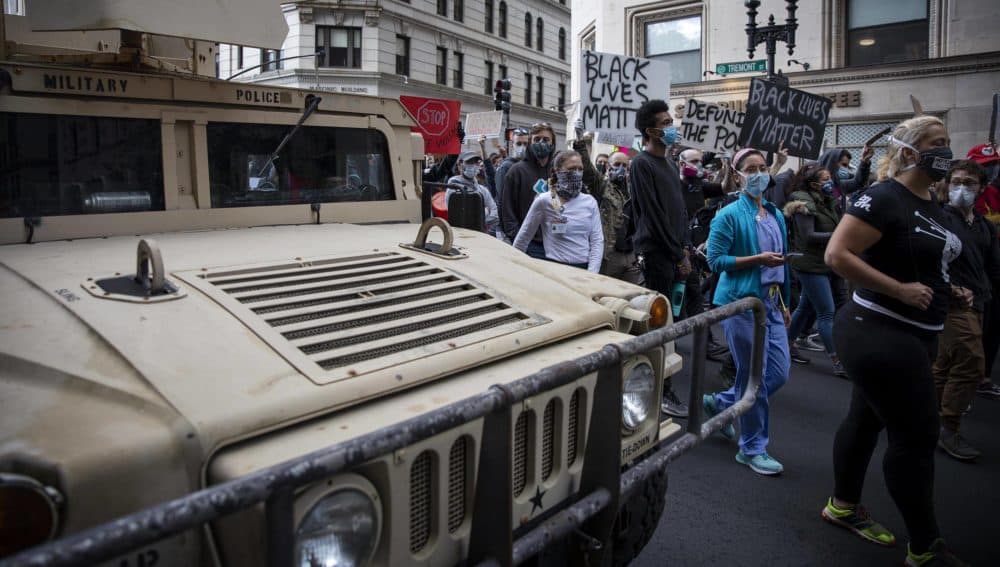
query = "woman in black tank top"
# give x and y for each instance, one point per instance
(893, 245)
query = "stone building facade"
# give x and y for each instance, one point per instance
(867, 56)
(454, 49)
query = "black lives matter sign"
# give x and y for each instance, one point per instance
(613, 87)
(777, 115)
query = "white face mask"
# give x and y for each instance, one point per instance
(518, 151)
(961, 197)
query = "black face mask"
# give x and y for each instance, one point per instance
(935, 162)
(541, 150)
(602, 168)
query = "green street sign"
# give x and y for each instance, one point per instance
(741, 67)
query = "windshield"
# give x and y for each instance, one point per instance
(71, 165)
(318, 165)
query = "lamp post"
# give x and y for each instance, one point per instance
(770, 35)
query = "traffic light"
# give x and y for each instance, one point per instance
(502, 99)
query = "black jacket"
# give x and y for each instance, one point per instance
(978, 267)
(519, 192)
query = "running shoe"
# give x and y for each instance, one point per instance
(956, 446)
(761, 464)
(987, 389)
(809, 343)
(858, 521)
(937, 556)
(711, 410)
(672, 405)
(796, 356)
(838, 369)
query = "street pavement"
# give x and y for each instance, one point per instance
(720, 513)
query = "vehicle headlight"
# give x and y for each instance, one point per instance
(637, 395)
(29, 513)
(338, 530)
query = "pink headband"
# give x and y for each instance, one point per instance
(739, 155)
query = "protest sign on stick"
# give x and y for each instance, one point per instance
(488, 124)
(776, 114)
(613, 87)
(437, 119)
(711, 127)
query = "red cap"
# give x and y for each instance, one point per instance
(983, 154)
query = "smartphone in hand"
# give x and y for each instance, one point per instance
(793, 255)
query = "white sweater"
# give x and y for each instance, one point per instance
(571, 232)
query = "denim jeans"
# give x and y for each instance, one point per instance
(536, 250)
(817, 296)
(754, 424)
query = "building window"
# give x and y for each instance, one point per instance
(887, 31)
(459, 10)
(442, 8)
(562, 97)
(539, 91)
(338, 47)
(503, 72)
(678, 42)
(458, 74)
(527, 29)
(270, 60)
(442, 66)
(402, 55)
(527, 88)
(539, 34)
(503, 20)
(488, 83)
(562, 43)
(239, 56)
(589, 40)
(852, 137)
(488, 10)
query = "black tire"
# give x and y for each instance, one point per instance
(637, 520)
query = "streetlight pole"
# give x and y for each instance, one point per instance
(770, 35)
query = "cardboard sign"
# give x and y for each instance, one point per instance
(613, 87)
(711, 127)
(488, 124)
(777, 114)
(437, 120)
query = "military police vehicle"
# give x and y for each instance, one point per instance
(202, 280)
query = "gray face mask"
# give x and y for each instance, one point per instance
(517, 152)
(569, 183)
(470, 171)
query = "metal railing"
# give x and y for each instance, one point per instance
(602, 485)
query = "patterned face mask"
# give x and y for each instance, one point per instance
(569, 183)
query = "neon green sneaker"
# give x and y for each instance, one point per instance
(937, 556)
(858, 521)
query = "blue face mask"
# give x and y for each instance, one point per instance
(755, 183)
(669, 136)
(827, 187)
(844, 173)
(541, 150)
(470, 171)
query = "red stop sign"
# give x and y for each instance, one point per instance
(434, 117)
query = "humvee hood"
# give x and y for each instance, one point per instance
(278, 324)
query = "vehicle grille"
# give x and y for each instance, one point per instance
(520, 463)
(421, 483)
(572, 428)
(548, 439)
(336, 318)
(457, 471)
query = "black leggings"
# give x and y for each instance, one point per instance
(890, 365)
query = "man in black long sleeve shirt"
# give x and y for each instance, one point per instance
(661, 228)
(961, 361)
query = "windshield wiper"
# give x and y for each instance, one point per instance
(312, 103)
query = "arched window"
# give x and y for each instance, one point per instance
(503, 19)
(539, 33)
(488, 11)
(562, 43)
(527, 29)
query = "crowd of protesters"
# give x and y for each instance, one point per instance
(894, 273)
